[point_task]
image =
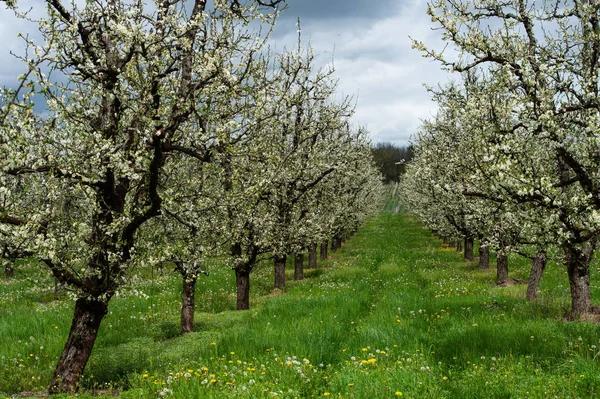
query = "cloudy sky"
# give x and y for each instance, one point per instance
(368, 41)
(373, 58)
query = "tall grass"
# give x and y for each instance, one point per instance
(390, 314)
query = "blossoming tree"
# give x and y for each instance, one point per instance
(540, 142)
(123, 82)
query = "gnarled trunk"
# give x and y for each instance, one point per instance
(469, 255)
(484, 257)
(537, 269)
(312, 256)
(242, 283)
(299, 267)
(577, 261)
(188, 305)
(501, 268)
(84, 329)
(279, 261)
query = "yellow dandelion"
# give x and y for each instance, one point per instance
(398, 393)
(326, 394)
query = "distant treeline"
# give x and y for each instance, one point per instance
(386, 156)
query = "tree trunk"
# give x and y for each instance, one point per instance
(279, 261)
(452, 243)
(56, 289)
(312, 256)
(484, 257)
(242, 278)
(577, 260)
(336, 242)
(242, 283)
(299, 267)
(469, 255)
(501, 268)
(537, 269)
(324, 246)
(187, 305)
(578, 267)
(445, 240)
(459, 245)
(78, 348)
(9, 270)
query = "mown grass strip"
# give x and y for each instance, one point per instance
(390, 314)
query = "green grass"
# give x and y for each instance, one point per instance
(390, 313)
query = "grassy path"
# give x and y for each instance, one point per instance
(395, 315)
(391, 314)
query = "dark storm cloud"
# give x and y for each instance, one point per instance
(332, 10)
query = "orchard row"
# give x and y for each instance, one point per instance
(172, 133)
(513, 156)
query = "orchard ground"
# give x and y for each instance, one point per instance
(391, 314)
